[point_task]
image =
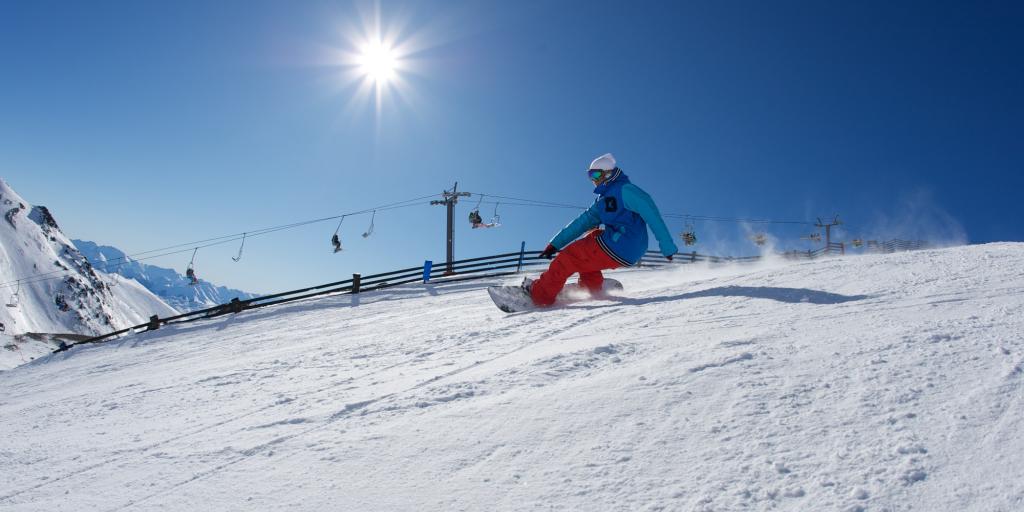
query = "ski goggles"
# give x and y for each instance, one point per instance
(597, 174)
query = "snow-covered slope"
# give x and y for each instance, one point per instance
(172, 287)
(890, 382)
(60, 291)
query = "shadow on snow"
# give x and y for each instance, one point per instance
(788, 295)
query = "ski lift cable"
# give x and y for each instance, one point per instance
(261, 231)
(684, 216)
(49, 276)
(709, 218)
(230, 238)
(532, 202)
(687, 217)
(185, 247)
(43, 277)
(533, 205)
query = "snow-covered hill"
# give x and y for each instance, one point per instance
(59, 291)
(172, 287)
(890, 382)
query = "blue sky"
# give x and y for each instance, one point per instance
(148, 124)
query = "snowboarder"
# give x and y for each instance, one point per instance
(625, 211)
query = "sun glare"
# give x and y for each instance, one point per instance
(377, 61)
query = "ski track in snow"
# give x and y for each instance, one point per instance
(860, 383)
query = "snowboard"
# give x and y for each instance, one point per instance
(513, 299)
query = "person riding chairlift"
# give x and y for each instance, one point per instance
(475, 219)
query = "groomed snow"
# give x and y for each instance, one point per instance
(857, 383)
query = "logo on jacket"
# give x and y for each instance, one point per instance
(610, 204)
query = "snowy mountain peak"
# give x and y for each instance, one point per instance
(41, 215)
(172, 287)
(50, 287)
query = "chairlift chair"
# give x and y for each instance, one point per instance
(813, 237)
(369, 230)
(336, 240)
(190, 272)
(688, 235)
(474, 216)
(495, 218)
(13, 302)
(478, 222)
(236, 259)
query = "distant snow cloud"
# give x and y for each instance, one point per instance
(916, 216)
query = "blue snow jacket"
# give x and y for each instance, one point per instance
(625, 211)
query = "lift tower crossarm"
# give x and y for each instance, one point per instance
(828, 229)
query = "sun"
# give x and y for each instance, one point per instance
(378, 62)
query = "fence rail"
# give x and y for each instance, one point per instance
(483, 267)
(896, 245)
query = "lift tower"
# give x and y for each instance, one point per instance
(828, 229)
(450, 199)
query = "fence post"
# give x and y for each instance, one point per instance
(355, 282)
(693, 256)
(427, 267)
(522, 252)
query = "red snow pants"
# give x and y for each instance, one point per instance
(584, 256)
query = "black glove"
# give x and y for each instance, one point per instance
(548, 252)
(669, 257)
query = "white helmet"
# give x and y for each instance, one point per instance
(605, 162)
